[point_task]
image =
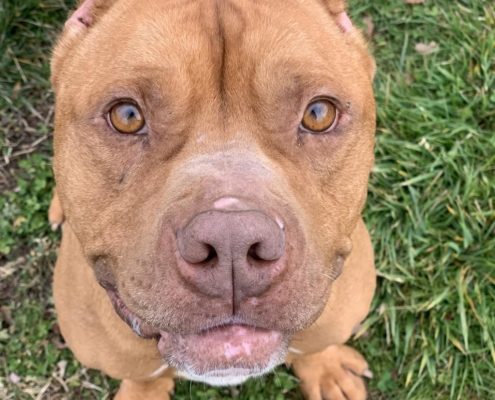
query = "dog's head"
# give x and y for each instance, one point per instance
(212, 158)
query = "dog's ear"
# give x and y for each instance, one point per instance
(86, 15)
(335, 6)
(337, 10)
(80, 21)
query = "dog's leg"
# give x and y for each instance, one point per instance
(156, 389)
(336, 373)
(328, 369)
(55, 212)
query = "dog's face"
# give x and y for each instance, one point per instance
(212, 158)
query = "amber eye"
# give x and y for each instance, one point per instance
(126, 117)
(319, 116)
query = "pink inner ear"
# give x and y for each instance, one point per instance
(82, 16)
(344, 22)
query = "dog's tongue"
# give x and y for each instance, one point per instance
(224, 348)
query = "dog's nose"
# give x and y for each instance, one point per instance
(231, 253)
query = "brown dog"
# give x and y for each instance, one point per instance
(211, 160)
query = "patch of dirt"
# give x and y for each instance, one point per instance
(23, 131)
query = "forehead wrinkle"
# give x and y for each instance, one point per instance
(265, 41)
(231, 25)
(157, 22)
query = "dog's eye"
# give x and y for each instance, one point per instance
(126, 117)
(320, 116)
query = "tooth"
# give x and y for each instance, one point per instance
(135, 327)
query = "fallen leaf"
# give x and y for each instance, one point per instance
(14, 378)
(426, 48)
(4, 335)
(9, 268)
(19, 221)
(414, 1)
(370, 26)
(15, 91)
(62, 366)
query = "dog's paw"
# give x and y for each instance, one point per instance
(334, 374)
(55, 212)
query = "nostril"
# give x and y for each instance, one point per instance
(198, 253)
(222, 237)
(212, 254)
(253, 252)
(263, 251)
(193, 249)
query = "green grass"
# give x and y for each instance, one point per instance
(431, 332)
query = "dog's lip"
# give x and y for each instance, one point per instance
(218, 351)
(140, 327)
(220, 328)
(147, 331)
(227, 350)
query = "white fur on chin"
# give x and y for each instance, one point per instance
(232, 376)
(224, 377)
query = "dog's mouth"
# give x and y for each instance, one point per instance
(140, 328)
(226, 354)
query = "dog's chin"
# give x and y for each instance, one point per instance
(225, 377)
(226, 355)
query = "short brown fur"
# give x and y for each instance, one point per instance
(224, 95)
